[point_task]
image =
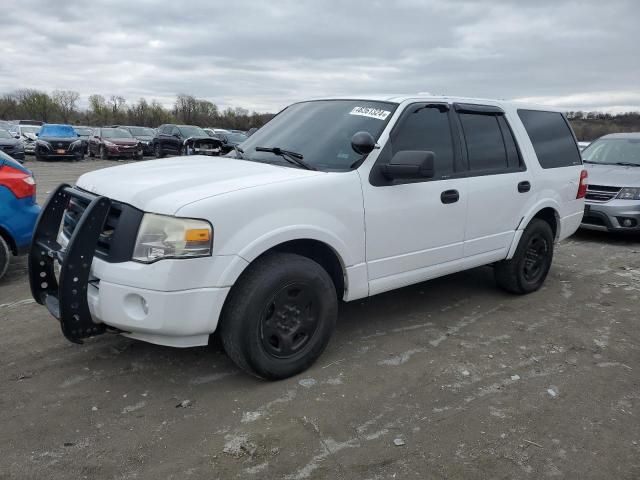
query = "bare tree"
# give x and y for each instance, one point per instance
(65, 101)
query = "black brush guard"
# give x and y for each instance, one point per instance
(67, 299)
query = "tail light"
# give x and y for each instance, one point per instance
(21, 184)
(582, 187)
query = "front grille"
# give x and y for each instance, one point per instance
(74, 211)
(593, 220)
(601, 193)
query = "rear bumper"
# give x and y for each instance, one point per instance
(612, 216)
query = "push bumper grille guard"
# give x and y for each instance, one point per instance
(67, 299)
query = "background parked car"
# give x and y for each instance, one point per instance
(58, 141)
(110, 142)
(144, 135)
(231, 140)
(85, 134)
(613, 194)
(28, 136)
(11, 145)
(18, 210)
(184, 140)
(583, 145)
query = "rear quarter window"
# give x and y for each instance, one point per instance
(552, 138)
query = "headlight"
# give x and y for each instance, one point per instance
(75, 144)
(44, 144)
(109, 144)
(162, 237)
(629, 193)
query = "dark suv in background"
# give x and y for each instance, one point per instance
(58, 141)
(184, 140)
(114, 142)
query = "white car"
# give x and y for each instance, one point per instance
(334, 199)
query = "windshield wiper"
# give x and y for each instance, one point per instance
(292, 157)
(627, 164)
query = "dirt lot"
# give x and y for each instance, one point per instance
(447, 379)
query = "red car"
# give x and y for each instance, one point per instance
(114, 143)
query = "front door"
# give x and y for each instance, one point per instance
(415, 229)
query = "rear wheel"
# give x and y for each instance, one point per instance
(279, 317)
(528, 269)
(5, 256)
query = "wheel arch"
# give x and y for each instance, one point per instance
(4, 233)
(547, 211)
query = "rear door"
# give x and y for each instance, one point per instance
(500, 186)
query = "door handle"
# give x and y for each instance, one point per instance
(524, 187)
(449, 196)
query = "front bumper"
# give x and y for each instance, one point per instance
(612, 216)
(179, 319)
(169, 302)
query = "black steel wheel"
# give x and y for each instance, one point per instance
(528, 269)
(279, 316)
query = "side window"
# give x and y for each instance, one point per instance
(175, 131)
(551, 137)
(485, 146)
(427, 129)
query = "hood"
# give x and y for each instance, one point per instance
(65, 140)
(122, 141)
(9, 141)
(613, 175)
(144, 138)
(30, 136)
(164, 186)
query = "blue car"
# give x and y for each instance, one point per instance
(18, 209)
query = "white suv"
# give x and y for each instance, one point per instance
(333, 199)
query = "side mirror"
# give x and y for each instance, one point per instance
(410, 164)
(17, 136)
(37, 134)
(177, 135)
(363, 143)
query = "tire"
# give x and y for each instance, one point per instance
(103, 153)
(90, 153)
(288, 288)
(183, 151)
(528, 269)
(5, 256)
(157, 150)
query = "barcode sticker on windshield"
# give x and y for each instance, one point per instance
(370, 112)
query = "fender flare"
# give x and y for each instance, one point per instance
(274, 238)
(526, 219)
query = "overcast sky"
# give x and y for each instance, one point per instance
(265, 54)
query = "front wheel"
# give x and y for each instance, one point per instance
(103, 153)
(5, 256)
(157, 150)
(528, 269)
(279, 316)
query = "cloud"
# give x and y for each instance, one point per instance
(264, 55)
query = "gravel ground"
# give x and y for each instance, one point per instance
(450, 378)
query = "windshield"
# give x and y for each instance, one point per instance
(85, 132)
(142, 131)
(62, 131)
(236, 137)
(321, 131)
(115, 133)
(189, 131)
(29, 129)
(611, 151)
(5, 134)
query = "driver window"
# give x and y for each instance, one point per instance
(175, 131)
(427, 129)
